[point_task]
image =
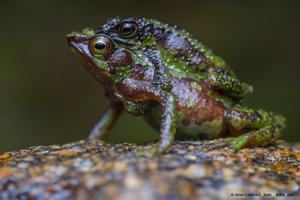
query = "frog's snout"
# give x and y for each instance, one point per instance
(79, 45)
(75, 39)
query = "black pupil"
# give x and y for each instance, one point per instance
(100, 45)
(127, 29)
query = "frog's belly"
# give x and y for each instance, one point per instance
(207, 129)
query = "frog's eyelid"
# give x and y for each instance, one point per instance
(127, 21)
(100, 32)
(123, 42)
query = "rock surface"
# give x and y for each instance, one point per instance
(94, 170)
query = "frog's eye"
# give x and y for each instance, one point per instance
(127, 29)
(101, 45)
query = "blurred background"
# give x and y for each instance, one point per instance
(46, 96)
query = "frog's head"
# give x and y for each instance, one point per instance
(99, 53)
(118, 44)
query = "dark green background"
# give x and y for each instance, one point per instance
(46, 96)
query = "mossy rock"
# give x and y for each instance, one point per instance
(192, 170)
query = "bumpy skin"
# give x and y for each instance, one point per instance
(161, 72)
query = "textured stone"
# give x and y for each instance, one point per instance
(192, 170)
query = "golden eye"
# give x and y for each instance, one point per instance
(127, 29)
(101, 45)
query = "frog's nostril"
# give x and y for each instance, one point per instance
(69, 35)
(76, 38)
(71, 41)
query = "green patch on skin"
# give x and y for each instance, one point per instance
(148, 41)
(190, 103)
(217, 61)
(71, 34)
(178, 66)
(239, 142)
(226, 101)
(140, 59)
(100, 63)
(122, 73)
(88, 32)
(196, 86)
(212, 128)
(191, 130)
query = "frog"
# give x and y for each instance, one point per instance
(181, 88)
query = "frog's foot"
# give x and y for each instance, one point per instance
(168, 127)
(224, 143)
(148, 151)
(264, 127)
(104, 124)
(95, 134)
(152, 150)
(259, 137)
(226, 81)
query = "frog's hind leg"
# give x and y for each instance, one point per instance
(259, 127)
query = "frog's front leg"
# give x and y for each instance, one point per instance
(161, 77)
(168, 123)
(140, 91)
(109, 117)
(258, 126)
(227, 82)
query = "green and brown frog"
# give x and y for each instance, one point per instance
(179, 86)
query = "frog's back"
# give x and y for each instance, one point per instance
(185, 46)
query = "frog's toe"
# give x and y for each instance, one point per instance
(153, 150)
(219, 145)
(149, 151)
(239, 142)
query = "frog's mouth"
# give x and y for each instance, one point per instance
(79, 45)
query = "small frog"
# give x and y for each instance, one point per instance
(179, 86)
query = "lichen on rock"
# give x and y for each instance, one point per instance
(192, 170)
